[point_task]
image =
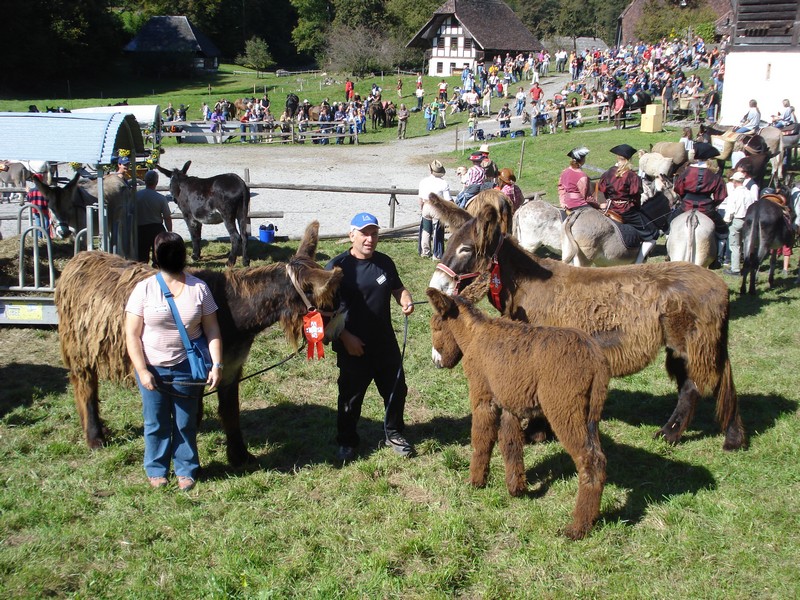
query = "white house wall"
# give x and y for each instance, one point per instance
(766, 77)
(446, 61)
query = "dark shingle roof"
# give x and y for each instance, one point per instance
(491, 23)
(172, 34)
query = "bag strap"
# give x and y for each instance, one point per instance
(175, 314)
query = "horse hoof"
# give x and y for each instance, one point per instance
(240, 458)
(575, 533)
(96, 443)
(670, 436)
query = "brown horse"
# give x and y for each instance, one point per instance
(632, 311)
(571, 400)
(90, 298)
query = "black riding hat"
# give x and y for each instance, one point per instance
(703, 151)
(623, 150)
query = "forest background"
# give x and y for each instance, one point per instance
(66, 39)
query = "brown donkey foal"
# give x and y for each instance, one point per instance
(518, 371)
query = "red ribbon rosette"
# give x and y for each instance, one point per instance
(314, 330)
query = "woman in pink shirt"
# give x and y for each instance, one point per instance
(508, 185)
(170, 401)
(574, 190)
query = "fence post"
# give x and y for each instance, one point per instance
(247, 229)
(521, 156)
(456, 138)
(392, 204)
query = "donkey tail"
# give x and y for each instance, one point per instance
(727, 401)
(691, 243)
(569, 247)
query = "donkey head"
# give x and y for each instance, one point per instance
(445, 351)
(320, 287)
(61, 202)
(469, 251)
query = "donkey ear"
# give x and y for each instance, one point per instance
(440, 301)
(324, 284)
(163, 171)
(186, 167)
(485, 226)
(449, 212)
(308, 245)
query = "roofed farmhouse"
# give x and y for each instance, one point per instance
(463, 32)
(174, 42)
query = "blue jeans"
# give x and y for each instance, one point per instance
(170, 422)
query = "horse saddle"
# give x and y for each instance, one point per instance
(791, 130)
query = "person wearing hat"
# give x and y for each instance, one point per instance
(701, 187)
(574, 189)
(622, 189)
(508, 185)
(472, 180)
(123, 166)
(430, 227)
(737, 203)
(367, 350)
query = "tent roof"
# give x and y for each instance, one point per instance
(145, 114)
(67, 137)
(172, 34)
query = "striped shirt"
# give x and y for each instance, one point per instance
(475, 175)
(160, 338)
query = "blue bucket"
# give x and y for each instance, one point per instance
(266, 235)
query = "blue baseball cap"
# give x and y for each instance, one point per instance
(362, 220)
(124, 160)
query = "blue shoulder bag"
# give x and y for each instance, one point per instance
(197, 351)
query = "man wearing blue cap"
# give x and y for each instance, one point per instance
(367, 349)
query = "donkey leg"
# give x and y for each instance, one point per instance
(195, 232)
(484, 436)
(228, 410)
(85, 390)
(581, 440)
(688, 395)
(512, 442)
(773, 261)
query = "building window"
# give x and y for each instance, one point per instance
(467, 44)
(439, 68)
(440, 43)
(453, 45)
(452, 68)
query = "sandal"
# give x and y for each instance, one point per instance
(185, 483)
(157, 482)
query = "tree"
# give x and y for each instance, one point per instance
(314, 18)
(256, 55)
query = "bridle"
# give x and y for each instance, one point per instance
(493, 269)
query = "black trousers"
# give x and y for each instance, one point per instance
(147, 235)
(355, 375)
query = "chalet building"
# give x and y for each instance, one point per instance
(762, 61)
(463, 32)
(173, 42)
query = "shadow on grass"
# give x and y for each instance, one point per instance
(648, 478)
(22, 382)
(758, 412)
(747, 305)
(304, 435)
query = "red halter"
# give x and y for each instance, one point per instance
(495, 284)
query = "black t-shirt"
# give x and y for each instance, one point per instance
(366, 290)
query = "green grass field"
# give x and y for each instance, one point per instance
(689, 521)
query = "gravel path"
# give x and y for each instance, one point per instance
(401, 164)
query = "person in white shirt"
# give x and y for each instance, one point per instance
(751, 120)
(736, 207)
(431, 231)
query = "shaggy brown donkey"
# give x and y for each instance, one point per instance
(90, 298)
(571, 399)
(631, 311)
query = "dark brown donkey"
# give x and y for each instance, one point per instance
(94, 287)
(631, 311)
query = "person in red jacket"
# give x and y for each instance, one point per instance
(623, 191)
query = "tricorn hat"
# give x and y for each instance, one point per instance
(476, 157)
(623, 150)
(703, 151)
(578, 153)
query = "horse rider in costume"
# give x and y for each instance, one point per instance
(574, 188)
(701, 187)
(623, 191)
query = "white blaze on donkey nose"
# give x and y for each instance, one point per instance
(437, 358)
